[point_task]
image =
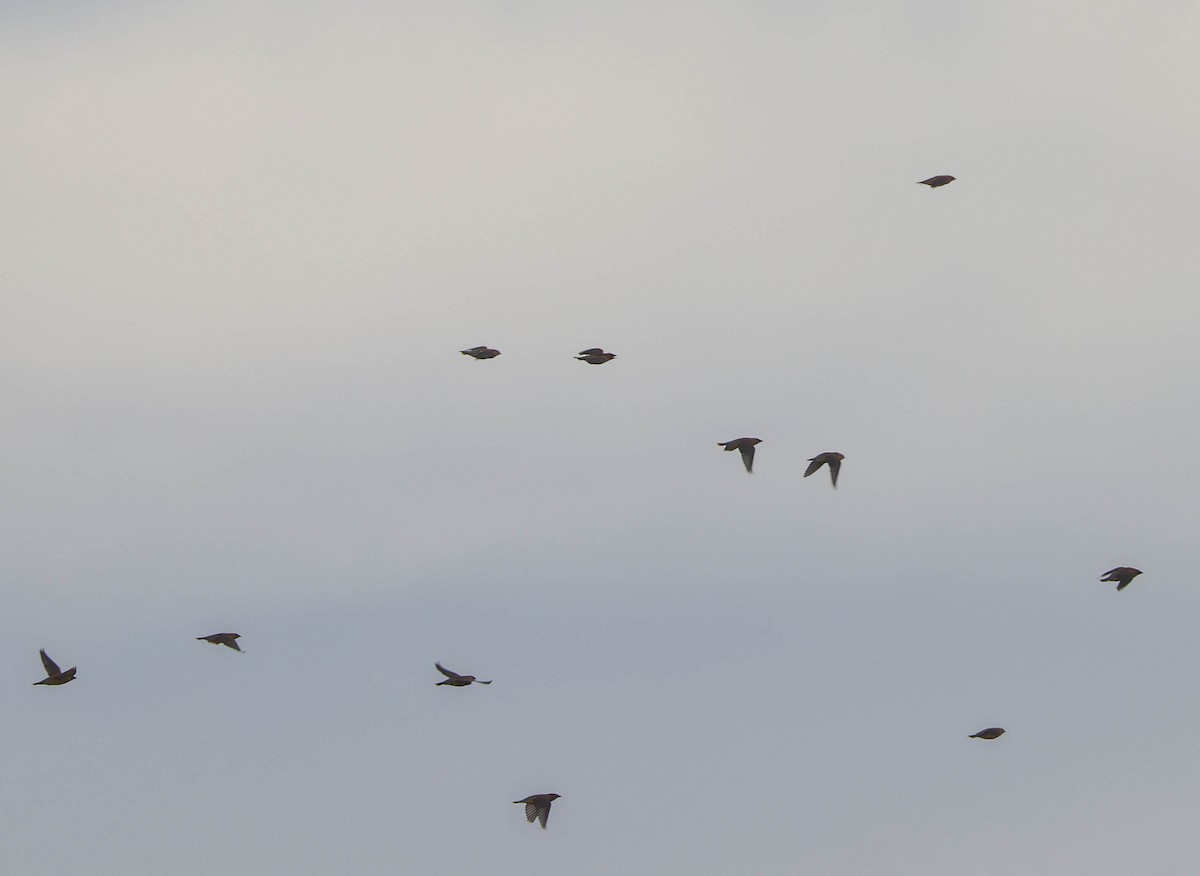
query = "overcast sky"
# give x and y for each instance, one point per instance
(241, 247)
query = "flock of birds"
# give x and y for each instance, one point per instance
(537, 806)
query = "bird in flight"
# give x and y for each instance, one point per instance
(54, 675)
(746, 447)
(1122, 575)
(989, 733)
(595, 356)
(229, 640)
(537, 807)
(834, 460)
(481, 353)
(934, 181)
(455, 680)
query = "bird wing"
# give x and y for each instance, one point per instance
(51, 667)
(813, 464)
(543, 813)
(590, 351)
(477, 681)
(232, 643)
(835, 465)
(747, 451)
(531, 812)
(446, 672)
(1124, 582)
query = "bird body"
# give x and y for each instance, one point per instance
(229, 640)
(989, 733)
(537, 807)
(481, 353)
(596, 357)
(54, 675)
(832, 459)
(455, 680)
(1122, 575)
(746, 447)
(934, 181)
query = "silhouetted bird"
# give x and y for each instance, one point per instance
(537, 807)
(934, 181)
(595, 356)
(481, 353)
(746, 447)
(54, 675)
(989, 733)
(229, 640)
(1122, 575)
(454, 679)
(834, 460)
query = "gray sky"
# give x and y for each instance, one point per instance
(241, 249)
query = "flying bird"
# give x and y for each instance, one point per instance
(481, 353)
(934, 181)
(537, 807)
(229, 640)
(1122, 575)
(454, 679)
(54, 675)
(834, 460)
(595, 356)
(989, 733)
(746, 447)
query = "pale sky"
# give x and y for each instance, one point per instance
(241, 250)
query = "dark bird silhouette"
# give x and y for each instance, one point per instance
(229, 640)
(481, 353)
(537, 807)
(1122, 575)
(596, 356)
(54, 675)
(746, 447)
(934, 181)
(989, 733)
(834, 460)
(454, 679)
